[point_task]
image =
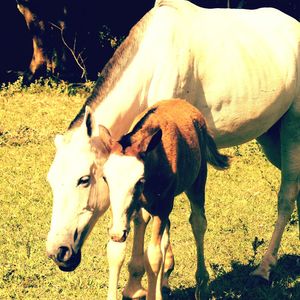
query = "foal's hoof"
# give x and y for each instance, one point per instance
(138, 298)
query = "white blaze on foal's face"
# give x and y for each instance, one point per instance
(125, 177)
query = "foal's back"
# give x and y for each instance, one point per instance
(182, 146)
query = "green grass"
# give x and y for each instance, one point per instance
(241, 209)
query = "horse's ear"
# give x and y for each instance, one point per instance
(58, 140)
(89, 123)
(105, 136)
(152, 141)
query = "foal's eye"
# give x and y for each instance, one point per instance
(141, 181)
(84, 181)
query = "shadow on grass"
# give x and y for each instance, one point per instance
(237, 284)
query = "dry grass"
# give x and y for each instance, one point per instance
(241, 209)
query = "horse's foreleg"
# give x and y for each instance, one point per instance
(115, 256)
(134, 288)
(154, 259)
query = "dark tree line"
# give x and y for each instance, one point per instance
(72, 40)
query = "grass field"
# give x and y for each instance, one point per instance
(241, 211)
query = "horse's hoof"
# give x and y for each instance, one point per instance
(137, 298)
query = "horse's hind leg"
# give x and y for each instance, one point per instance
(196, 195)
(289, 189)
(270, 142)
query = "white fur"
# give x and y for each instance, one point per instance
(239, 67)
(115, 257)
(71, 207)
(122, 173)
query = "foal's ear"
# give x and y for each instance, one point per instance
(152, 141)
(89, 123)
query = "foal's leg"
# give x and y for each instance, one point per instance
(168, 268)
(154, 258)
(115, 256)
(289, 189)
(196, 195)
(133, 288)
(162, 282)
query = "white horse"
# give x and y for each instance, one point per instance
(239, 67)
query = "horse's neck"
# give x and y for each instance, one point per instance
(118, 110)
(140, 85)
(127, 98)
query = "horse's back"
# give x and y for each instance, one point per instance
(239, 67)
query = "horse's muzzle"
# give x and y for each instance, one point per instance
(66, 258)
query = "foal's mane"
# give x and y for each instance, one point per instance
(113, 70)
(126, 140)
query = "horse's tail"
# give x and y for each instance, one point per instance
(213, 156)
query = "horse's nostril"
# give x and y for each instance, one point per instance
(64, 253)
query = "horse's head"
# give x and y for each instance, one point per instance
(125, 175)
(80, 195)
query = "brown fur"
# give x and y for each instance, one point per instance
(173, 142)
(186, 144)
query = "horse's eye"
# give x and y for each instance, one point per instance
(104, 178)
(84, 181)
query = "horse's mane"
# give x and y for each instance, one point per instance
(113, 70)
(169, 3)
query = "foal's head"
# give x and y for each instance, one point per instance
(124, 172)
(80, 194)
